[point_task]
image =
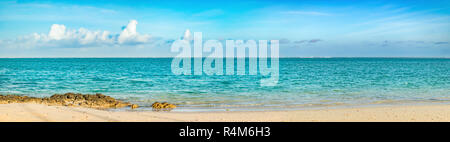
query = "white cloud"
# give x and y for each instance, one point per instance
(57, 32)
(60, 36)
(129, 34)
(187, 35)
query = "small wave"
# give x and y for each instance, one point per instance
(11, 92)
(121, 78)
(24, 83)
(100, 79)
(2, 71)
(214, 105)
(140, 80)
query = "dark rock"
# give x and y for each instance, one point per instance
(133, 106)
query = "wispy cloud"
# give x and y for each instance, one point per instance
(284, 41)
(398, 23)
(51, 12)
(308, 41)
(441, 42)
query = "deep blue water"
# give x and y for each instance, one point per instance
(303, 81)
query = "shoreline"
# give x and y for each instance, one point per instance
(293, 108)
(29, 112)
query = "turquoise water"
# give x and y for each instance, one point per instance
(303, 82)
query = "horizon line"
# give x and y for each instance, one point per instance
(249, 57)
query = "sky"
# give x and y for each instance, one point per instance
(304, 28)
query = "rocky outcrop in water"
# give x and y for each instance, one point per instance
(70, 99)
(133, 106)
(163, 106)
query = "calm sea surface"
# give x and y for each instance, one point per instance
(303, 82)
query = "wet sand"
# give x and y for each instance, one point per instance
(44, 113)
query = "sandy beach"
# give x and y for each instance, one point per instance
(43, 113)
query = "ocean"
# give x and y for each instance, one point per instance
(303, 82)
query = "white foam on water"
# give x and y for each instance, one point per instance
(11, 92)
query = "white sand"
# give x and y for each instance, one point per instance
(38, 112)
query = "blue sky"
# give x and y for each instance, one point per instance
(114, 28)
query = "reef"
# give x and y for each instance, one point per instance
(99, 101)
(163, 106)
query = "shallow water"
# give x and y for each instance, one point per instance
(303, 82)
